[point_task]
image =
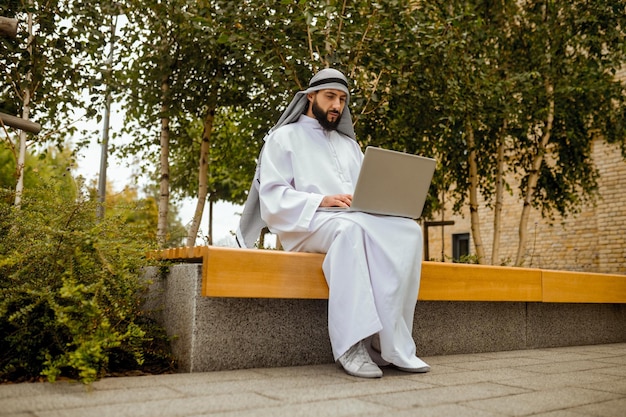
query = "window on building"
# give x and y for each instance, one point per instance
(460, 245)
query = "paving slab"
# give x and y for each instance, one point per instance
(549, 382)
(542, 401)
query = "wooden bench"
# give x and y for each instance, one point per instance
(229, 308)
(247, 273)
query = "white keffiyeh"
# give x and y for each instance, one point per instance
(251, 224)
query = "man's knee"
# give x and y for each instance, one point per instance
(344, 226)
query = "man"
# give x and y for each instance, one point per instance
(311, 160)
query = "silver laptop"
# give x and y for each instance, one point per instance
(391, 183)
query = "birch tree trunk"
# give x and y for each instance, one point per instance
(164, 183)
(210, 236)
(473, 196)
(21, 158)
(203, 175)
(533, 177)
(497, 213)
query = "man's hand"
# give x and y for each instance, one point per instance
(337, 200)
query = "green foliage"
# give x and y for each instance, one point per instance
(229, 165)
(467, 259)
(70, 291)
(51, 165)
(208, 70)
(143, 214)
(423, 76)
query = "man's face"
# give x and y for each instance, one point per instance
(327, 107)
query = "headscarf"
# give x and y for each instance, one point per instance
(251, 223)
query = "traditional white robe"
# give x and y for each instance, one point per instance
(372, 263)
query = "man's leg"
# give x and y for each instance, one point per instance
(372, 268)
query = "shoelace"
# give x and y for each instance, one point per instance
(359, 352)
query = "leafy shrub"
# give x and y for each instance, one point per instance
(467, 259)
(70, 292)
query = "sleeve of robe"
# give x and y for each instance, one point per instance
(283, 207)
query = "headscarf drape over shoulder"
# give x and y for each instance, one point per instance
(251, 224)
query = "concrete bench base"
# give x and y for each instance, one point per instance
(214, 333)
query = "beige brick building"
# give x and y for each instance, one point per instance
(592, 241)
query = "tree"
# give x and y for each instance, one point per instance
(470, 83)
(495, 86)
(196, 72)
(231, 159)
(572, 51)
(210, 70)
(52, 60)
(445, 105)
(147, 58)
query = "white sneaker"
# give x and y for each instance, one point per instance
(357, 362)
(421, 368)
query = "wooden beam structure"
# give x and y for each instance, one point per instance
(8, 27)
(18, 123)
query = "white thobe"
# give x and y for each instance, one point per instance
(372, 263)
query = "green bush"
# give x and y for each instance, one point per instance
(70, 292)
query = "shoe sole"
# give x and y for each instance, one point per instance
(358, 375)
(422, 370)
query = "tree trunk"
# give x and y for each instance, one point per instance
(203, 175)
(164, 185)
(497, 214)
(21, 158)
(210, 235)
(533, 177)
(473, 196)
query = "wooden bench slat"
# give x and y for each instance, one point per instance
(466, 282)
(195, 253)
(581, 287)
(245, 273)
(264, 274)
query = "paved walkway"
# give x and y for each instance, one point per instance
(560, 382)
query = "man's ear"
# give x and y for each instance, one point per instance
(311, 96)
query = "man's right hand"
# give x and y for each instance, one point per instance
(337, 200)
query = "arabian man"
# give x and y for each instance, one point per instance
(311, 160)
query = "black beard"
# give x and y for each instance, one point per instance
(322, 117)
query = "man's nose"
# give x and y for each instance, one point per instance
(336, 103)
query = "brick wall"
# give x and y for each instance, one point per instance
(593, 240)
